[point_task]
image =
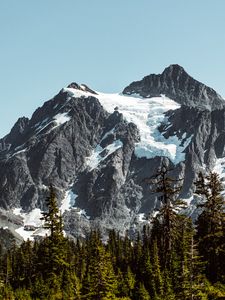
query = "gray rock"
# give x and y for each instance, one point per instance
(176, 84)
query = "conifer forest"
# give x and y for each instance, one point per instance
(173, 257)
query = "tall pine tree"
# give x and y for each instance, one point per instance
(210, 225)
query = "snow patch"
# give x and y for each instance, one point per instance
(82, 212)
(219, 167)
(61, 118)
(18, 152)
(68, 202)
(58, 120)
(97, 157)
(31, 219)
(188, 200)
(141, 217)
(107, 134)
(76, 93)
(41, 123)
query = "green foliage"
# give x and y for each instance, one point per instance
(210, 225)
(169, 260)
(142, 293)
(100, 281)
(165, 223)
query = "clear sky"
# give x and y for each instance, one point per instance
(47, 44)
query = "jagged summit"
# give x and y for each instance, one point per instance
(81, 87)
(174, 68)
(177, 84)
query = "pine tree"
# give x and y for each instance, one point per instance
(210, 224)
(126, 283)
(141, 293)
(156, 270)
(100, 281)
(53, 218)
(168, 190)
(188, 278)
(54, 246)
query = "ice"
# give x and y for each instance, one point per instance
(77, 93)
(188, 200)
(108, 133)
(31, 218)
(55, 106)
(26, 235)
(148, 114)
(219, 167)
(58, 120)
(61, 118)
(94, 160)
(82, 212)
(68, 201)
(142, 217)
(41, 123)
(41, 127)
(17, 211)
(18, 152)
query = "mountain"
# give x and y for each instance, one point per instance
(176, 84)
(97, 150)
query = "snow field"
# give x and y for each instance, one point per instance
(32, 219)
(148, 114)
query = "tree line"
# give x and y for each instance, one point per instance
(172, 258)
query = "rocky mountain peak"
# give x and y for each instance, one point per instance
(177, 84)
(175, 70)
(81, 87)
(20, 125)
(16, 132)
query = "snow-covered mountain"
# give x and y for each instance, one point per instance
(97, 149)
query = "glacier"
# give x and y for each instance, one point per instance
(147, 114)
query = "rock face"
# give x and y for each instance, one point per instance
(176, 84)
(74, 143)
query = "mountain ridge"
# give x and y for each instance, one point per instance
(178, 85)
(97, 148)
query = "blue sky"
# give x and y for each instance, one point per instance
(47, 44)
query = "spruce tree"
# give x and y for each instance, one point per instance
(210, 225)
(53, 218)
(168, 190)
(141, 293)
(100, 282)
(54, 246)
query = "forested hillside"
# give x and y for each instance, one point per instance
(172, 258)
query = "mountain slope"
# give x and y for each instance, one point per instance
(97, 149)
(176, 84)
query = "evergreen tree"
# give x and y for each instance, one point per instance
(210, 225)
(54, 245)
(100, 282)
(168, 190)
(141, 293)
(53, 218)
(156, 270)
(188, 278)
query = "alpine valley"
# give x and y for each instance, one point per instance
(97, 150)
